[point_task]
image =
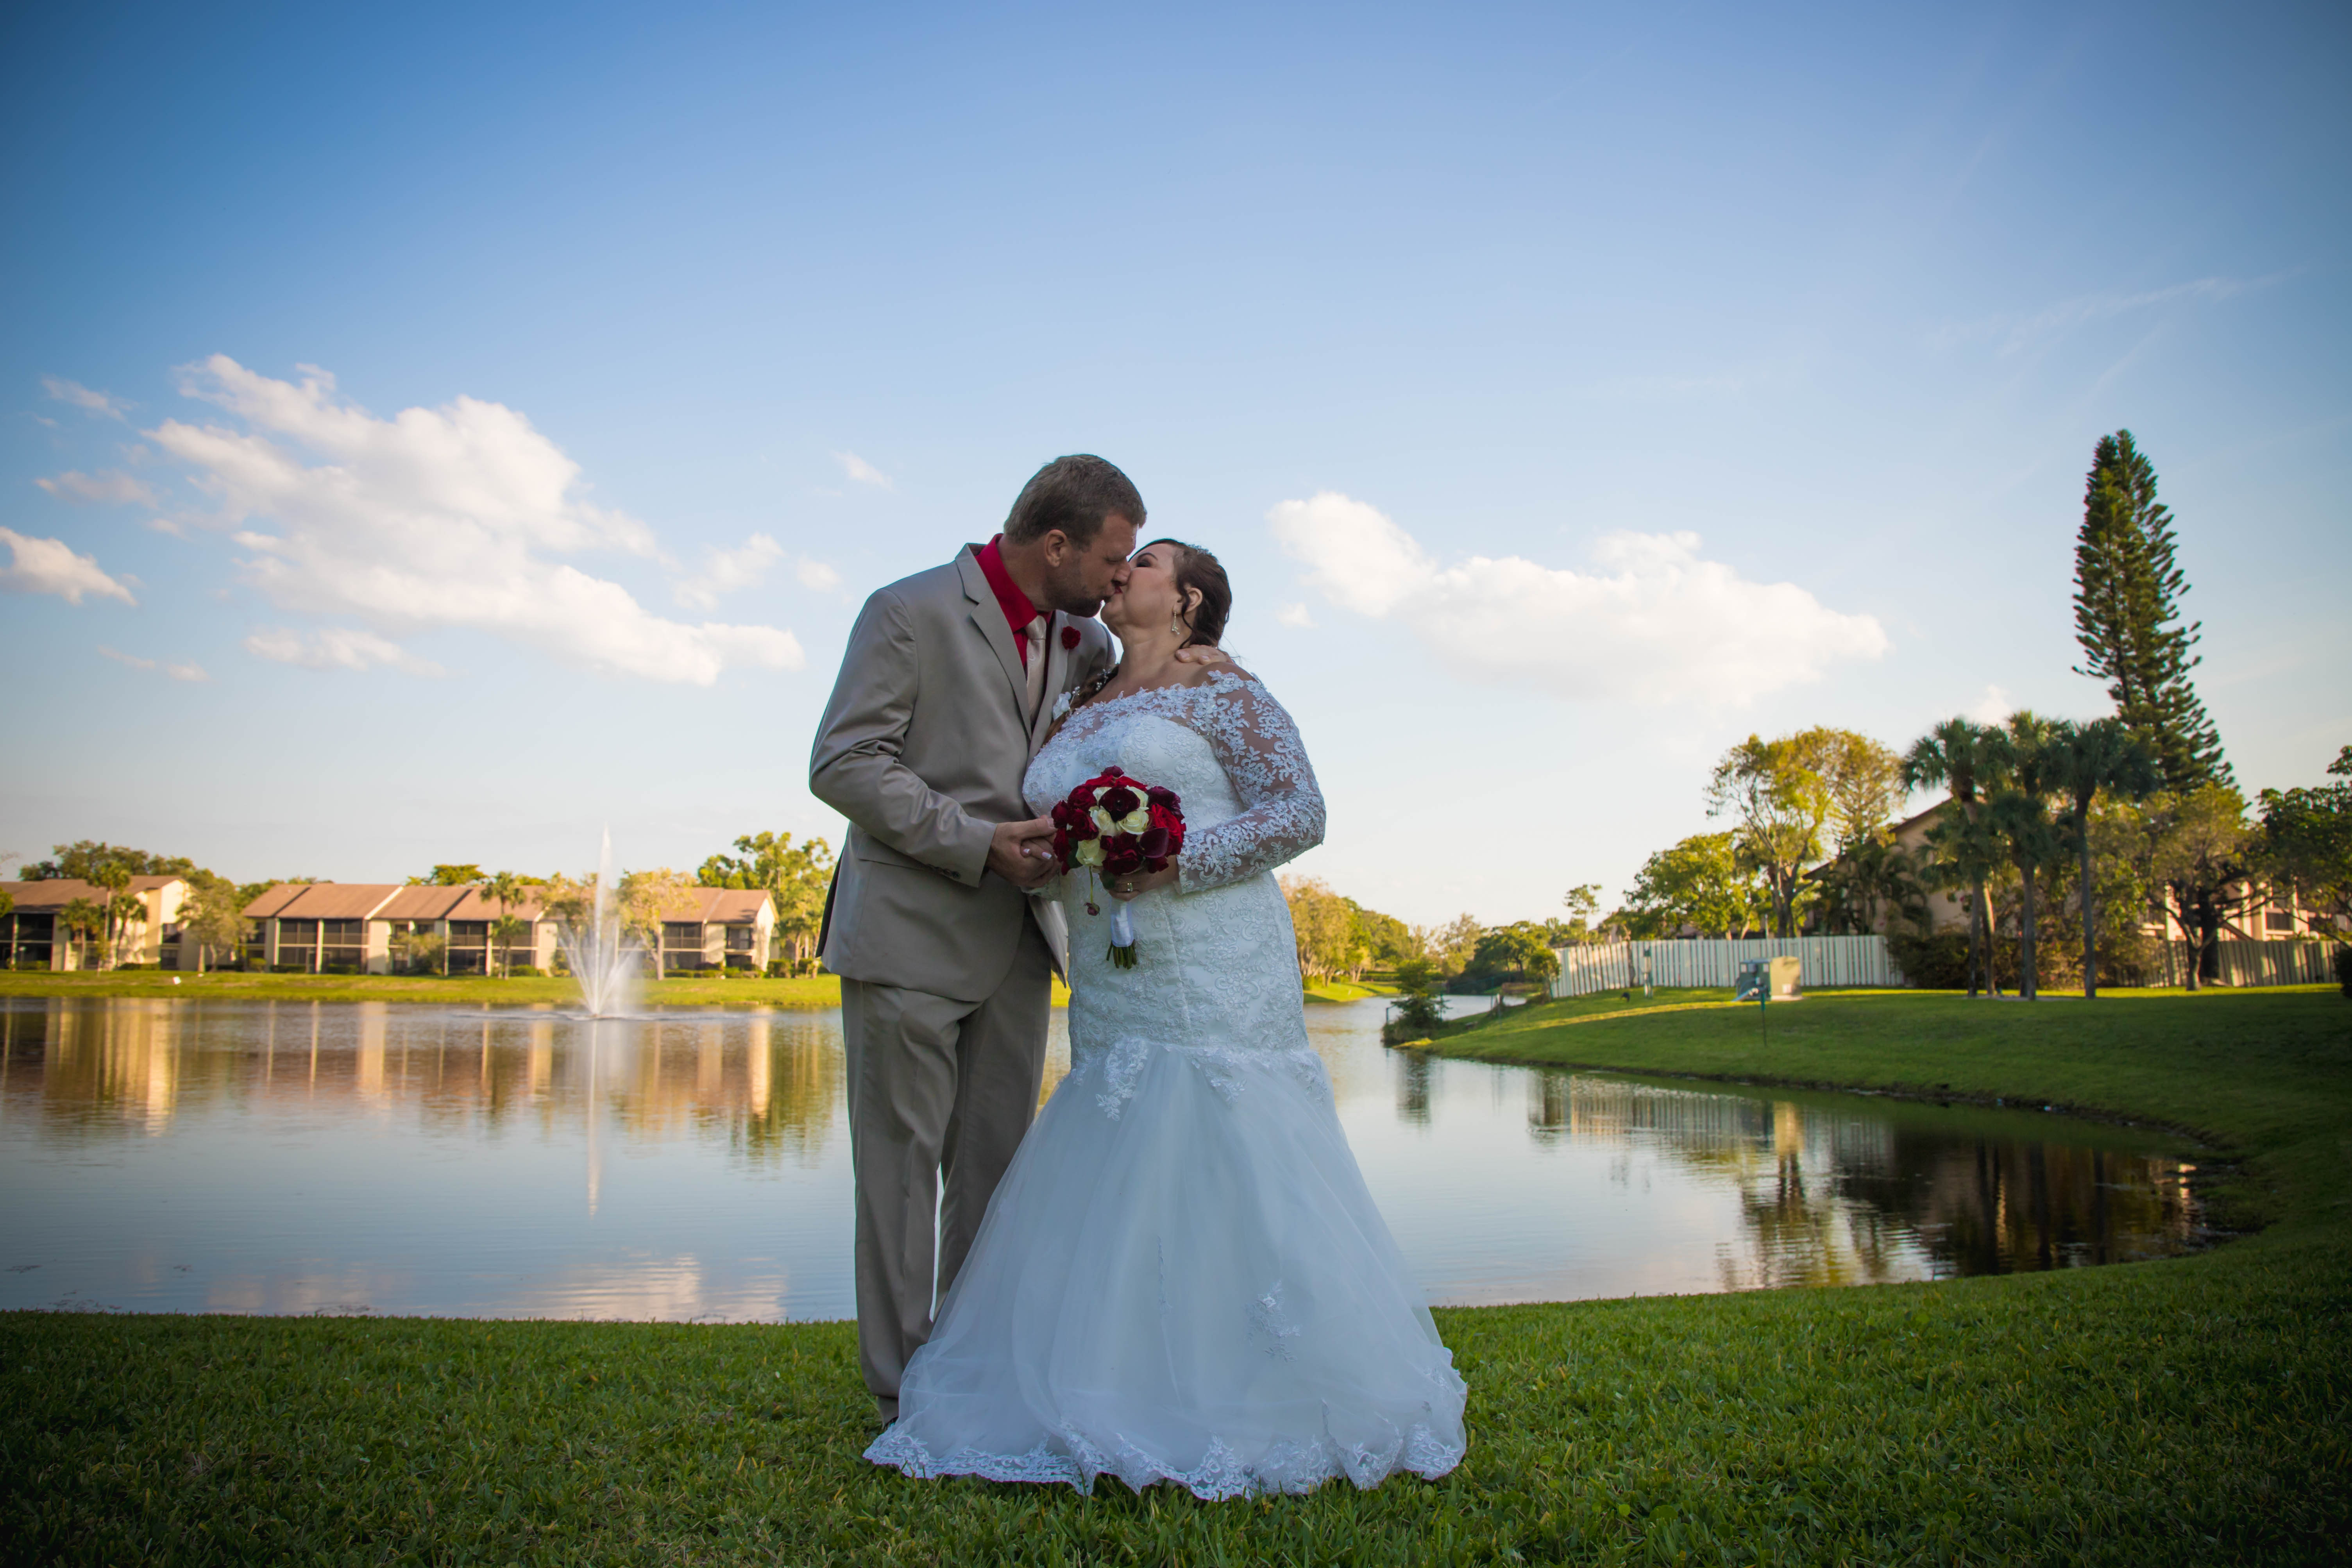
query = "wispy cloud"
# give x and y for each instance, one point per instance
(110, 485)
(452, 516)
(1295, 616)
(1993, 707)
(52, 566)
(81, 396)
(725, 571)
(336, 647)
(1655, 623)
(863, 472)
(183, 671)
(2019, 332)
(817, 575)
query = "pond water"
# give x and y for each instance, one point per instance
(311, 1157)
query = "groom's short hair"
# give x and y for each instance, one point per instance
(1073, 494)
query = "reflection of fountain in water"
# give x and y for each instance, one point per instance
(604, 957)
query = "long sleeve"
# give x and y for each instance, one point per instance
(854, 766)
(1282, 809)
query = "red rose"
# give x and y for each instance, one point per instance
(1163, 795)
(1121, 800)
(1070, 638)
(1122, 863)
(1082, 828)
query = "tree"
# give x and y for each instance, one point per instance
(1519, 951)
(1383, 940)
(2307, 842)
(1871, 885)
(120, 905)
(795, 877)
(1792, 795)
(417, 951)
(2019, 815)
(2200, 842)
(1963, 757)
(448, 877)
(212, 915)
(1584, 904)
(80, 860)
(506, 890)
(2128, 592)
(1321, 923)
(643, 897)
(84, 917)
(1449, 946)
(1701, 883)
(2085, 762)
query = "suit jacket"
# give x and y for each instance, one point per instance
(922, 748)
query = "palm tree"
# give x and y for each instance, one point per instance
(83, 917)
(2086, 760)
(115, 878)
(2019, 812)
(1963, 757)
(507, 889)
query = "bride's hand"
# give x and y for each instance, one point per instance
(1135, 884)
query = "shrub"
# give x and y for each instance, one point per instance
(525, 972)
(2344, 969)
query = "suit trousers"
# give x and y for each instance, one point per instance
(937, 1087)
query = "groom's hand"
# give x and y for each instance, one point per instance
(1202, 653)
(1023, 852)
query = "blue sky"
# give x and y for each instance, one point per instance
(432, 435)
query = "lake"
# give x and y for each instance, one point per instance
(315, 1157)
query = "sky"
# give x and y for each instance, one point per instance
(435, 433)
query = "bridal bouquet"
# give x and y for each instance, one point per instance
(1114, 826)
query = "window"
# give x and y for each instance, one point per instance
(2278, 919)
(303, 932)
(681, 934)
(469, 933)
(739, 938)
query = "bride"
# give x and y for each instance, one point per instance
(1181, 1277)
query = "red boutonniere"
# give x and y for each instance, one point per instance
(1070, 638)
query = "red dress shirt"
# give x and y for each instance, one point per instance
(1015, 604)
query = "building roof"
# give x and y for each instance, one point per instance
(336, 901)
(277, 899)
(473, 906)
(56, 893)
(717, 906)
(421, 901)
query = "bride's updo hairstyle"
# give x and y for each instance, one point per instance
(1198, 572)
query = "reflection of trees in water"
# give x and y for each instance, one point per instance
(1413, 1072)
(1828, 1197)
(769, 1087)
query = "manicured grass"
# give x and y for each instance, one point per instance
(2192, 1410)
(1347, 990)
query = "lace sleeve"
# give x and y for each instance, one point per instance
(1282, 809)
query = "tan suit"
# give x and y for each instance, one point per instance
(945, 965)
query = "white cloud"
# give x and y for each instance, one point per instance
(724, 570)
(817, 575)
(176, 671)
(1657, 623)
(81, 396)
(435, 517)
(51, 567)
(1295, 616)
(110, 485)
(1993, 707)
(862, 471)
(336, 647)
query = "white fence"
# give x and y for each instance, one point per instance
(2246, 962)
(1828, 961)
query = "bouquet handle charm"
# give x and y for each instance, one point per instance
(1115, 826)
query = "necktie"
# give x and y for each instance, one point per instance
(1034, 632)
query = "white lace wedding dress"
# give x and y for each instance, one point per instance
(1181, 1277)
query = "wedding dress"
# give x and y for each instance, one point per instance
(1181, 1277)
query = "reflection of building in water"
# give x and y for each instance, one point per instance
(768, 1085)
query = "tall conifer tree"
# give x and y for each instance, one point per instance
(2127, 617)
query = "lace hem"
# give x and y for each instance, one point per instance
(1221, 1474)
(1122, 1065)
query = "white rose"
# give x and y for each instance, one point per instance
(1103, 820)
(1136, 821)
(1089, 852)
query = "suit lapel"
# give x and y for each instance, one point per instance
(1058, 675)
(989, 616)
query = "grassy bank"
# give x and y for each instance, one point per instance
(2193, 1410)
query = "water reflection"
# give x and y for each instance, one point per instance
(221, 1155)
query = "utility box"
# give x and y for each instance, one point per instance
(1776, 978)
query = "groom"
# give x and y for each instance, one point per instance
(946, 691)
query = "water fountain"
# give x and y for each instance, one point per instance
(604, 957)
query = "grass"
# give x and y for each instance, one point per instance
(2190, 1410)
(1336, 990)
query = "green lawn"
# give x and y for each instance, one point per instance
(2192, 1410)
